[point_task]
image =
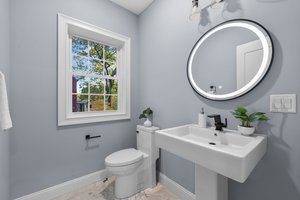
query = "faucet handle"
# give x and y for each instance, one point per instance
(218, 122)
(216, 117)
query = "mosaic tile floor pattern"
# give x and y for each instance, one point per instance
(104, 191)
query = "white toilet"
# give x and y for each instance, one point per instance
(135, 170)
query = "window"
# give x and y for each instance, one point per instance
(93, 73)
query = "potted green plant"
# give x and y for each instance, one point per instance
(145, 115)
(246, 127)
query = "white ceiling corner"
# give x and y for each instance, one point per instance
(135, 6)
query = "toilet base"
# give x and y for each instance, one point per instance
(136, 180)
(126, 186)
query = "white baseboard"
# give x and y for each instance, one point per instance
(57, 190)
(177, 189)
(69, 186)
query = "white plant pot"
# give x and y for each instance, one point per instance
(246, 130)
(147, 123)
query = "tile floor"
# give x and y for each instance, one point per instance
(104, 191)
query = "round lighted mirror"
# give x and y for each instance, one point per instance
(230, 59)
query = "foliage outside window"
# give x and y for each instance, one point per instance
(94, 76)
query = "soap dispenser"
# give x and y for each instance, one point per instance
(202, 119)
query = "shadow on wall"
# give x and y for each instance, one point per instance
(205, 22)
(274, 169)
(232, 9)
(205, 19)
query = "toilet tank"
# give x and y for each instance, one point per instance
(145, 144)
(145, 140)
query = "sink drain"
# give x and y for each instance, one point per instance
(212, 143)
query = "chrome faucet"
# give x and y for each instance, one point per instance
(218, 122)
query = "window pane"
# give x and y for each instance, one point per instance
(79, 46)
(80, 84)
(97, 86)
(111, 86)
(97, 103)
(97, 67)
(111, 102)
(80, 103)
(110, 69)
(96, 50)
(110, 54)
(80, 64)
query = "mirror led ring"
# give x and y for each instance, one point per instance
(267, 44)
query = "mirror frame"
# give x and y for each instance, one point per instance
(268, 53)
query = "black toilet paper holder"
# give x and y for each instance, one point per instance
(88, 137)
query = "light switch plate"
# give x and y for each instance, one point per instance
(283, 103)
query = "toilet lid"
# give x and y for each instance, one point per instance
(123, 157)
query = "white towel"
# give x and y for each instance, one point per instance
(5, 119)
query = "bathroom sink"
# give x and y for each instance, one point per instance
(227, 153)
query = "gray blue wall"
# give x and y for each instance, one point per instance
(166, 38)
(4, 68)
(42, 154)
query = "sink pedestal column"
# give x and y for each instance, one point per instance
(210, 185)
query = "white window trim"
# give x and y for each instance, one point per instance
(68, 26)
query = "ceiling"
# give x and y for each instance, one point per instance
(135, 6)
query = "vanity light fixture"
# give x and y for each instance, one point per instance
(196, 9)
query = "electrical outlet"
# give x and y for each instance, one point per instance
(283, 103)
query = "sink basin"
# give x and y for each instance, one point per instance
(227, 153)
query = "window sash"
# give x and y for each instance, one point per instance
(70, 93)
(89, 94)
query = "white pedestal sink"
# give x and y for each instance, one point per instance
(217, 156)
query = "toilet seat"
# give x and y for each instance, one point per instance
(123, 157)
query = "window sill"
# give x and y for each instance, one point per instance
(84, 118)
